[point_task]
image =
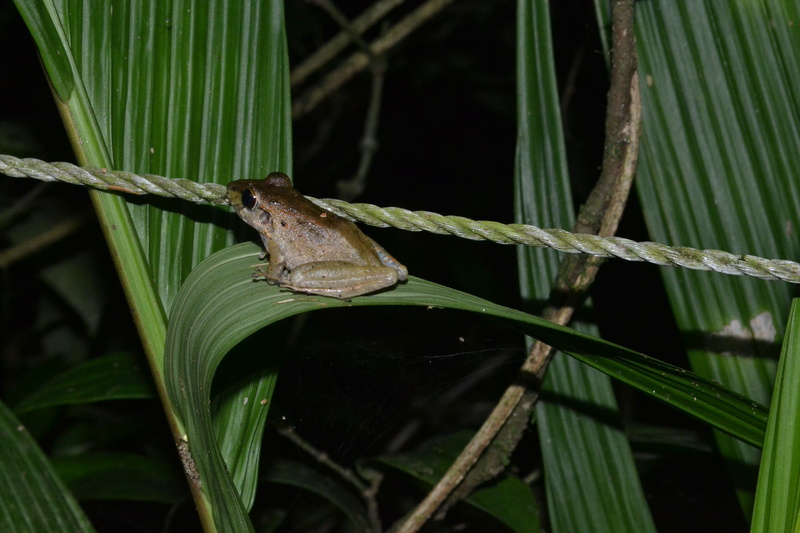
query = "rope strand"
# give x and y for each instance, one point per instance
(558, 239)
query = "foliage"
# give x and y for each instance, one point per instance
(376, 396)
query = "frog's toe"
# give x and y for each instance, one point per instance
(284, 281)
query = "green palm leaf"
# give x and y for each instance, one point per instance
(32, 497)
(777, 506)
(207, 323)
(180, 89)
(721, 108)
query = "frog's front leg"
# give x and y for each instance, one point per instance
(339, 279)
(274, 272)
(266, 240)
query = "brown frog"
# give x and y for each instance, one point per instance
(310, 249)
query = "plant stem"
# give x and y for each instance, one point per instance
(359, 60)
(330, 49)
(599, 215)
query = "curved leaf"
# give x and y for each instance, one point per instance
(239, 414)
(331, 489)
(112, 377)
(121, 476)
(180, 89)
(220, 304)
(777, 506)
(32, 497)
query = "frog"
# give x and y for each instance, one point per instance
(310, 249)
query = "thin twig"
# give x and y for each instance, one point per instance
(42, 240)
(329, 50)
(348, 27)
(601, 213)
(21, 205)
(568, 90)
(359, 60)
(352, 188)
(367, 492)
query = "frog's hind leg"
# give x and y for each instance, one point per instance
(388, 260)
(339, 279)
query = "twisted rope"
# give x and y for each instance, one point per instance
(116, 180)
(558, 239)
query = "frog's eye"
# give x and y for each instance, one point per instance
(248, 200)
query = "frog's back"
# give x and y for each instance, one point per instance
(309, 233)
(303, 231)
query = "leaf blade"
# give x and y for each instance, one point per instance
(207, 323)
(111, 377)
(717, 86)
(157, 98)
(32, 497)
(777, 504)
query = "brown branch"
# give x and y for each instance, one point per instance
(32, 245)
(600, 214)
(353, 187)
(329, 50)
(348, 27)
(359, 60)
(367, 492)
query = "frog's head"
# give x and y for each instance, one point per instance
(249, 198)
